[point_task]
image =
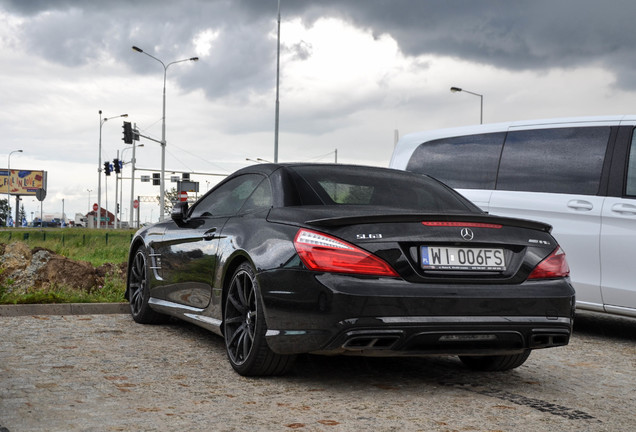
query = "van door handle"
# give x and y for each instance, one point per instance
(624, 208)
(209, 234)
(580, 205)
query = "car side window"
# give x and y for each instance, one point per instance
(227, 199)
(630, 186)
(560, 160)
(259, 199)
(465, 162)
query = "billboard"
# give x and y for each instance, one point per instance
(21, 182)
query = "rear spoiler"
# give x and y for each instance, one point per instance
(414, 217)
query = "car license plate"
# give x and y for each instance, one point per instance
(450, 258)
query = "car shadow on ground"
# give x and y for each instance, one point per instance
(429, 369)
(610, 326)
(434, 370)
(341, 366)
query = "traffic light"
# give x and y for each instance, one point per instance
(107, 168)
(117, 164)
(128, 133)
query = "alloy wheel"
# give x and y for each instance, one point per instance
(137, 283)
(241, 316)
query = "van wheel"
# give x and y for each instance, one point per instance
(495, 363)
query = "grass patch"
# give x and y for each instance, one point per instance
(111, 292)
(81, 244)
(95, 246)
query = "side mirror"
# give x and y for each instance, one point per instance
(179, 211)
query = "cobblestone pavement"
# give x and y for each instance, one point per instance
(106, 373)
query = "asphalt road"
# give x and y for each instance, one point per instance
(106, 373)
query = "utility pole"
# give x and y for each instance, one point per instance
(116, 189)
(132, 177)
(277, 87)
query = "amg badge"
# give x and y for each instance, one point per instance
(368, 236)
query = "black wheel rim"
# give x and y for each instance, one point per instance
(137, 283)
(240, 317)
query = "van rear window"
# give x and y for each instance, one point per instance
(464, 162)
(560, 160)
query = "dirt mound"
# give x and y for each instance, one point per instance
(41, 268)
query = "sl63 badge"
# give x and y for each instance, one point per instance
(368, 236)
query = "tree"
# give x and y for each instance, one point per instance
(4, 209)
(22, 214)
(170, 199)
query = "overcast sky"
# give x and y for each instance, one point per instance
(352, 73)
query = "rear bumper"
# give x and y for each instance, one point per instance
(339, 314)
(447, 336)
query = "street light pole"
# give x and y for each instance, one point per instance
(99, 169)
(121, 183)
(481, 101)
(9, 185)
(162, 197)
(116, 191)
(277, 89)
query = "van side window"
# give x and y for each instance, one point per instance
(562, 160)
(465, 162)
(630, 187)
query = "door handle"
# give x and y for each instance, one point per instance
(580, 205)
(209, 234)
(624, 208)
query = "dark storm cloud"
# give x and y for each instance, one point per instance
(537, 34)
(514, 35)
(75, 32)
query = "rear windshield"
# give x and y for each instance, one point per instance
(367, 186)
(467, 162)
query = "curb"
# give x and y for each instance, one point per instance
(64, 309)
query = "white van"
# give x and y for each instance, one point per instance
(578, 174)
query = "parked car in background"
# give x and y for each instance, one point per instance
(283, 259)
(578, 175)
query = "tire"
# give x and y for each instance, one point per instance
(244, 329)
(139, 291)
(495, 363)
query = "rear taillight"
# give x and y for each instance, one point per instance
(554, 266)
(321, 252)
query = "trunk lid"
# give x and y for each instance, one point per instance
(466, 247)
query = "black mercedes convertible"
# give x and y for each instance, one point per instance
(284, 259)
